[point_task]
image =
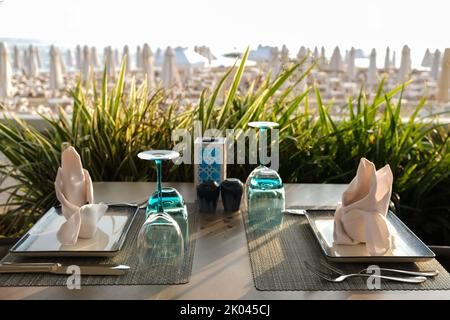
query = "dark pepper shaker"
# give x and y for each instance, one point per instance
(208, 196)
(232, 190)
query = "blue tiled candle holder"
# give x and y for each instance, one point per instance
(210, 161)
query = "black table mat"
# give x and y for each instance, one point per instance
(279, 257)
(155, 273)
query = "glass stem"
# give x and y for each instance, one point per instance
(159, 185)
(262, 139)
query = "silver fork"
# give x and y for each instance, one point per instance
(342, 277)
(430, 273)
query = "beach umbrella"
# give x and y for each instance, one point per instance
(444, 78)
(158, 59)
(316, 54)
(117, 57)
(209, 55)
(199, 49)
(372, 77)
(61, 61)
(148, 65)
(205, 52)
(233, 54)
(108, 56)
(95, 61)
(387, 60)
(138, 58)
(169, 74)
(427, 60)
(56, 81)
(187, 58)
(86, 63)
(70, 59)
(6, 88)
(78, 57)
(404, 71)
(17, 65)
(302, 53)
(226, 61)
(394, 61)
(25, 59)
(434, 72)
(336, 64)
(126, 56)
(202, 50)
(274, 62)
(322, 59)
(38, 56)
(284, 55)
(351, 68)
(261, 54)
(32, 63)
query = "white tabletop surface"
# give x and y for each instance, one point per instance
(221, 267)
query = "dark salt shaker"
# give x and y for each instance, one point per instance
(231, 190)
(208, 196)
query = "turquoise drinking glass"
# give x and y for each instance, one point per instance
(163, 199)
(264, 188)
(161, 242)
(161, 235)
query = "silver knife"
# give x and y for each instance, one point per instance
(302, 210)
(295, 211)
(57, 268)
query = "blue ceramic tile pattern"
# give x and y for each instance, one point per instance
(209, 169)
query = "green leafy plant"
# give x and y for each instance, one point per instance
(109, 128)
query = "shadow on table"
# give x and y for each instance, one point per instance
(5, 245)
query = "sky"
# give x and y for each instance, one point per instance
(227, 25)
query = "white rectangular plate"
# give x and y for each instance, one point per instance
(41, 239)
(407, 246)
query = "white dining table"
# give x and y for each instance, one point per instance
(221, 267)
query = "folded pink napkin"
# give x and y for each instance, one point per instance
(74, 191)
(361, 217)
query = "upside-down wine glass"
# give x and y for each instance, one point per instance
(160, 235)
(264, 187)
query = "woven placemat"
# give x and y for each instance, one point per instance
(279, 259)
(155, 272)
